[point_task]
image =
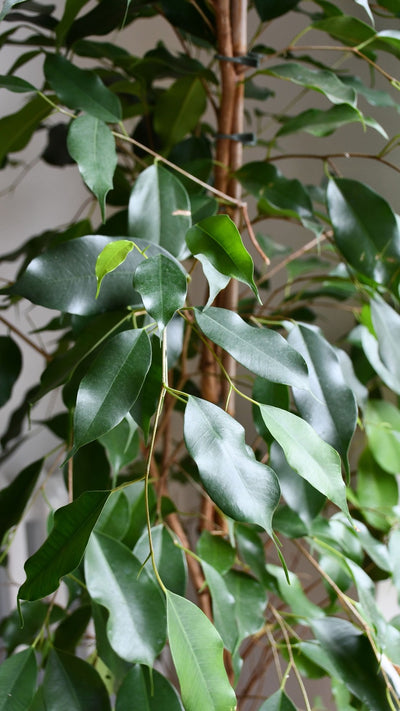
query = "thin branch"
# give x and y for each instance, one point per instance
(328, 156)
(27, 340)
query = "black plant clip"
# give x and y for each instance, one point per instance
(252, 59)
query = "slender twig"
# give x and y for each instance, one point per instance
(27, 340)
(328, 156)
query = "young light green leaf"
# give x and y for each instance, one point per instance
(315, 460)
(139, 691)
(218, 239)
(92, 145)
(159, 210)
(111, 385)
(11, 364)
(16, 84)
(81, 89)
(170, 559)
(179, 109)
(197, 652)
(365, 230)
(329, 406)
(382, 425)
(72, 684)
(110, 257)
(278, 702)
(18, 681)
(15, 496)
(62, 551)
(322, 123)
(242, 487)
(162, 285)
(136, 625)
(261, 350)
(321, 80)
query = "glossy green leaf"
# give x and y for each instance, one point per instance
(121, 444)
(216, 281)
(300, 496)
(111, 385)
(71, 684)
(322, 123)
(315, 460)
(11, 364)
(159, 210)
(18, 681)
(269, 9)
(16, 84)
(162, 285)
(278, 702)
(293, 595)
(110, 257)
(216, 551)
(197, 652)
(179, 109)
(15, 496)
(329, 405)
(140, 692)
(7, 6)
(91, 469)
(346, 28)
(382, 425)
(16, 130)
(170, 559)
(261, 350)
(353, 659)
(250, 601)
(115, 517)
(223, 606)
(370, 346)
(63, 549)
(92, 145)
(365, 230)
(242, 487)
(81, 89)
(136, 626)
(72, 628)
(146, 404)
(276, 194)
(321, 80)
(218, 239)
(377, 491)
(386, 323)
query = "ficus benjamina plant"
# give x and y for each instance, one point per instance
(227, 452)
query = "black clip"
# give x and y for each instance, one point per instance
(252, 59)
(248, 139)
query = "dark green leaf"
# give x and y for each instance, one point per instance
(300, 496)
(111, 385)
(18, 681)
(251, 550)
(91, 470)
(261, 350)
(13, 83)
(322, 123)
(329, 406)
(276, 194)
(63, 549)
(159, 210)
(34, 615)
(162, 285)
(242, 487)
(307, 453)
(11, 364)
(320, 80)
(71, 684)
(139, 691)
(365, 230)
(7, 6)
(115, 579)
(71, 9)
(92, 145)
(217, 238)
(17, 129)
(16, 495)
(170, 560)
(81, 89)
(267, 393)
(197, 652)
(269, 9)
(278, 702)
(146, 404)
(216, 551)
(382, 425)
(179, 109)
(122, 444)
(70, 631)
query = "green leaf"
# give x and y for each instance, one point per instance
(11, 364)
(92, 145)
(293, 595)
(276, 194)
(322, 123)
(110, 257)
(346, 28)
(16, 495)
(242, 487)
(365, 230)
(261, 350)
(81, 89)
(269, 9)
(159, 210)
(136, 626)
(162, 285)
(321, 80)
(140, 691)
(121, 444)
(377, 491)
(300, 496)
(278, 702)
(315, 460)
(7, 6)
(370, 346)
(250, 601)
(63, 549)
(197, 652)
(365, 5)
(223, 607)
(170, 560)
(18, 681)
(218, 239)
(34, 614)
(111, 385)
(71, 684)
(216, 551)
(382, 425)
(71, 629)
(179, 109)
(13, 83)
(16, 130)
(114, 519)
(386, 323)
(329, 405)
(353, 660)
